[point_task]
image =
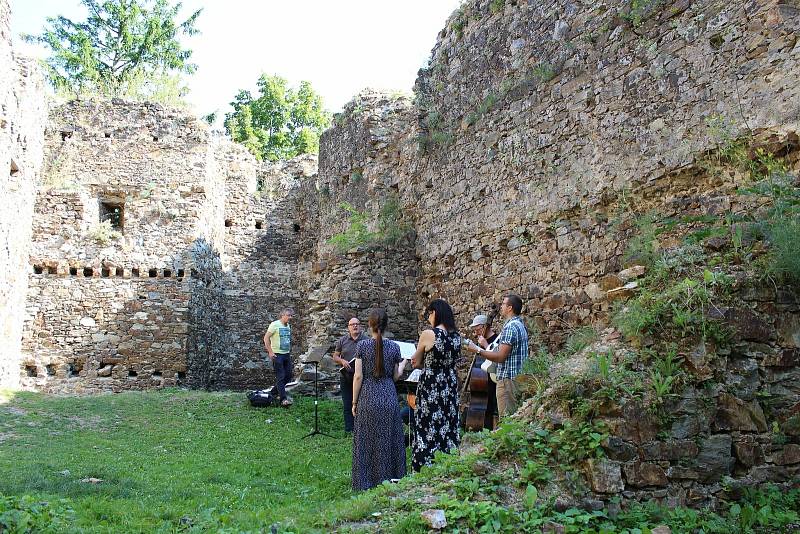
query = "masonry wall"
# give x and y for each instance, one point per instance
(22, 116)
(535, 121)
(109, 307)
(264, 239)
(358, 165)
(535, 130)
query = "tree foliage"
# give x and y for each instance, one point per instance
(281, 122)
(124, 48)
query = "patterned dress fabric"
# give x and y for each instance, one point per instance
(436, 416)
(379, 451)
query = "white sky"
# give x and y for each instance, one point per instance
(340, 46)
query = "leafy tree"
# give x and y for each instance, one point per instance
(123, 48)
(281, 122)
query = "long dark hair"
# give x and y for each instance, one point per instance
(377, 322)
(444, 314)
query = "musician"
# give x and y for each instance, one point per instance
(343, 353)
(485, 337)
(510, 354)
(478, 326)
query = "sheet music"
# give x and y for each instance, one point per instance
(407, 350)
(414, 376)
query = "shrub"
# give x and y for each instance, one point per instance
(496, 6)
(103, 233)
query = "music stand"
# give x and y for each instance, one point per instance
(314, 357)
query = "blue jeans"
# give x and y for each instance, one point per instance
(347, 399)
(283, 373)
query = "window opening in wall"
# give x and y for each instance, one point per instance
(296, 227)
(180, 273)
(113, 212)
(14, 168)
(181, 376)
(105, 273)
(132, 373)
(107, 135)
(167, 273)
(152, 273)
(66, 134)
(37, 269)
(195, 274)
(51, 270)
(228, 223)
(30, 370)
(120, 271)
(156, 374)
(88, 271)
(51, 369)
(73, 271)
(73, 369)
(259, 225)
(134, 272)
(155, 138)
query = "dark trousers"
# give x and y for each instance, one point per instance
(347, 399)
(283, 373)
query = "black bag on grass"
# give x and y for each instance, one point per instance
(262, 398)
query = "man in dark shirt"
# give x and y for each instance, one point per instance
(343, 354)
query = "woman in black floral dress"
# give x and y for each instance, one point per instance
(436, 415)
(379, 451)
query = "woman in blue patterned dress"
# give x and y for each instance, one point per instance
(436, 416)
(379, 451)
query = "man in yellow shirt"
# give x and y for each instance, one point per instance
(278, 342)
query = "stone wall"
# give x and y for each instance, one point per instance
(197, 262)
(22, 116)
(265, 236)
(358, 165)
(536, 128)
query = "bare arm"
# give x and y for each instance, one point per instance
(426, 340)
(268, 343)
(399, 368)
(500, 355)
(357, 379)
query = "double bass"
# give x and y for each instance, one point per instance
(477, 415)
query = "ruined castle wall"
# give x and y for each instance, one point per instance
(264, 240)
(536, 130)
(537, 118)
(108, 307)
(359, 165)
(22, 116)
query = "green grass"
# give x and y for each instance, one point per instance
(173, 460)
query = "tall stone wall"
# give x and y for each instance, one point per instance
(358, 165)
(265, 238)
(198, 260)
(535, 128)
(108, 307)
(22, 116)
(539, 119)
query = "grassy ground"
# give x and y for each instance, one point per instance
(170, 461)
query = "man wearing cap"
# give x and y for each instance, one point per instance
(478, 327)
(343, 353)
(510, 354)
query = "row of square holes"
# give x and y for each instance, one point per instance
(66, 134)
(260, 225)
(50, 369)
(88, 272)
